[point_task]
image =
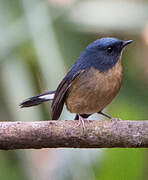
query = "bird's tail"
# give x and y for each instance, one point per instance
(36, 100)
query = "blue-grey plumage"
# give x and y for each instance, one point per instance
(92, 82)
(102, 61)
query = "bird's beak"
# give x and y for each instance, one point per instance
(125, 43)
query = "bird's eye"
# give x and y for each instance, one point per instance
(110, 49)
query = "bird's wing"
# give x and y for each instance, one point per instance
(60, 95)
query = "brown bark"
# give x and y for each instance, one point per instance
(58, 134)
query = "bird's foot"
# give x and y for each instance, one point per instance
(81, 122)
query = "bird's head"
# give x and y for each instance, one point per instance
(105, 52)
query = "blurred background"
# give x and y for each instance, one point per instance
(39, 41)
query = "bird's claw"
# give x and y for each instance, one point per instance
(81, 122)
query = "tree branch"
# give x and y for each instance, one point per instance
(57, 134)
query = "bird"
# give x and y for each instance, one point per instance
(91, 84)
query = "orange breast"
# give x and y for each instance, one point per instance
(91, 91)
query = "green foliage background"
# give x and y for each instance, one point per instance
(39, 42)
